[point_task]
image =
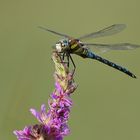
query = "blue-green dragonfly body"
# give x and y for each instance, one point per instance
(69, 45)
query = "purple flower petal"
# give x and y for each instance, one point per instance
(58, 87)
(41, 116)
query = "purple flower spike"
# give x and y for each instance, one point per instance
(53, 123)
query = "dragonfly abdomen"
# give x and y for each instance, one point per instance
(111, 64)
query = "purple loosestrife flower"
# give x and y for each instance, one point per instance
(53, 123)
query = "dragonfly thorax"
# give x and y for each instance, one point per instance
(62, 45)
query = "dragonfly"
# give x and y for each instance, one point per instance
(69, 45)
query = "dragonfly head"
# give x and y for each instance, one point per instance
(62, 45)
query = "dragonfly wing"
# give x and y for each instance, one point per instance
(113, 29)
(107, 47)
(60, 34)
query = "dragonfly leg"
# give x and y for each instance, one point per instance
(68, 57)
(72, 63)
(68, 62)
(62, 57)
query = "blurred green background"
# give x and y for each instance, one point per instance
(106, 103)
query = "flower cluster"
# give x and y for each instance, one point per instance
(53, 123)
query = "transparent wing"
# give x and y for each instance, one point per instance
(60, 34)
(108, 47)
(113, 29)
